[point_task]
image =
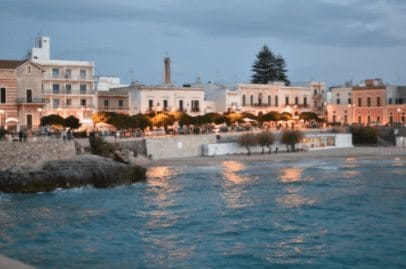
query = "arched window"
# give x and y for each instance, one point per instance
(243, 100)
(260, 99)
(252, 100)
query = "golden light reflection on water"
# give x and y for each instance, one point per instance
(230, 168)
(351, 162)
(292, 198)
(234, 184)
(291, 174)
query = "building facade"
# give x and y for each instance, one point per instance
(21, 102)
(67, 86)
(256, 98)
(340, 106)
(113, 101)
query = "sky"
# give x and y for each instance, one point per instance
(321, 40)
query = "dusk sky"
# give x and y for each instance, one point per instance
(323, 40)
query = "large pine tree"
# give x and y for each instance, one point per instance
(268, 67)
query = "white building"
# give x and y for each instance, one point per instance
(67, 86)
(105, 83)
(255, 98)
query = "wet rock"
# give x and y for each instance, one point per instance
(76, 172)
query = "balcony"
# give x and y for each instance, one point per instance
(113, 108)
(195, 109)
(30, 101)
(63, 77)
(64, 91)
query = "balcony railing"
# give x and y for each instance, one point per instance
(115, 108)
(30, 101)
(65, 106)
(65, 91)
(195, 109)
(67, 77)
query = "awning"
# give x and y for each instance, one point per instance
(11, 119)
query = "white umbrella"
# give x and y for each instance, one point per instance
(248, 120)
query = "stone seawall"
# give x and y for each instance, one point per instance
(177, 146)
(34, 153)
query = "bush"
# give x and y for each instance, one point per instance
(247, 140)
(364, 135)
(100, 147)
(265, 139)
(291, 138)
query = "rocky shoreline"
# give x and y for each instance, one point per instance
(78, 171)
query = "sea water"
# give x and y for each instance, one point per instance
(332, 213)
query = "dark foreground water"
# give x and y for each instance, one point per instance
(335, 213)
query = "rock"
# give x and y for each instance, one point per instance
(125, 156)
(79, 171)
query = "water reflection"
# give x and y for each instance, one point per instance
(291, 174)
(230, 169)
(234, 184)
(350, 162)
(292, 198)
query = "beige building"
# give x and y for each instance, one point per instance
(67, 86)
(21, 102)
(255, 98)
(113, 101)
(340, 108)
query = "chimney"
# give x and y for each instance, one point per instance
(167, 75)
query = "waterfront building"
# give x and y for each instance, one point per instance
(369, 103)
(21, 102)
(256, 98)
(340, 106)
(113, 101)
(68, 87)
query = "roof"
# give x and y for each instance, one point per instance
(10, 64)
(62, 62)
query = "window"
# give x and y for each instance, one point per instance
(3, 95)
(68, 102)
(180, 105)
(55, 88)
(68, 88)
(391, 118)
(82, 74)
(150, 103)
(378, 101)
(296, 100)
(349, 101)
(252, 100)
(243, 99)
(378, 119)
(400, 101)
(369, 118)
(56, 103)
(29, 95)
(106, 103)
(276, 100)
(82, 88)
(55, 72)
(29, 69)
(359, 119)
(287, 100)
(305, 101)
(359, 102)
(269, 100)
(120, 104)
(195, 106)
(345, 119)
(334, 118)
(369, 101)
(83, 102)
(338, 94)
(68, 73)
(315, 92)
(260, 99)
(390, 101)
(338, 101)
(165, 104)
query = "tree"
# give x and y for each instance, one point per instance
(71, 122)
(247, 140)
(281, 69)
(265, 139)
(291, 138)
(52, 119)
(268, 67)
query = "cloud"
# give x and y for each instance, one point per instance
(370, 23)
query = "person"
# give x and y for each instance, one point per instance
(69, 134)
(20, 135)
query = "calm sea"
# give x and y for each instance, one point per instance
(331, 213)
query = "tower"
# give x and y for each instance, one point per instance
(167, 70)
(42, 48)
